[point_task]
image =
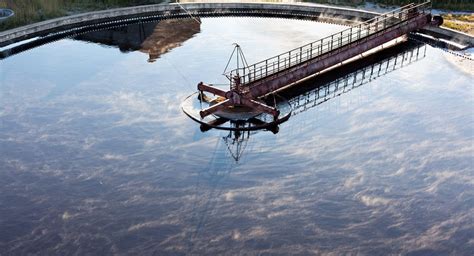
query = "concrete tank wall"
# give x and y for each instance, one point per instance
(302, 11)
(169, 11)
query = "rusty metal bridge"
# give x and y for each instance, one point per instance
(250, 83)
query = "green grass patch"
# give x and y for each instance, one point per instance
(463, 27)
(463, 17)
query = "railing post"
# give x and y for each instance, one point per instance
(332, 41)
(358, 34)
(254, 71)
(289, 58)
(350, 36)
(301, 53)
(278, 67)
(266, 67)
(340, 39)
(310, 51)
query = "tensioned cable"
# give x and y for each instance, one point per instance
(186, 11)
(225, 39)
(230, 58)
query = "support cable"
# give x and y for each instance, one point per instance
(186, 11)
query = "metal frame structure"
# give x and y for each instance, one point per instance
(251, 82)
(325, 45)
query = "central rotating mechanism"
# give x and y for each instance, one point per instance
(237, 99)
(244, 111)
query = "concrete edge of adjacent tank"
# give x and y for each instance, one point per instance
(169, 11)
(450, 34)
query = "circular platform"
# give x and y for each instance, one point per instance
(235, 113)
(237, 119)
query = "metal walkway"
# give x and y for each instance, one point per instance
(256, 80)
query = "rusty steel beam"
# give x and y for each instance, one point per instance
(241, 101)
(210, 89)
(305, 69)
(260, 106)
(212, 109)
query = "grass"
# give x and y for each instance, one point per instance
(463, 23)
(30, 11)
(463, 27)
(451, 5)
(463, 17)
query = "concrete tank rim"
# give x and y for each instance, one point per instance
(144, 9)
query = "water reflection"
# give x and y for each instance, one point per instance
(96, 156)
(320, 89)
(155, 39)
(346, 82)
(236, 142)
(210, 181)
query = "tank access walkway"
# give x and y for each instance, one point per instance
(250, 83)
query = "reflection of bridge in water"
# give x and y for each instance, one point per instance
(348, 82)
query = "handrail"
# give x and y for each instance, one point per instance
(317, 48)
